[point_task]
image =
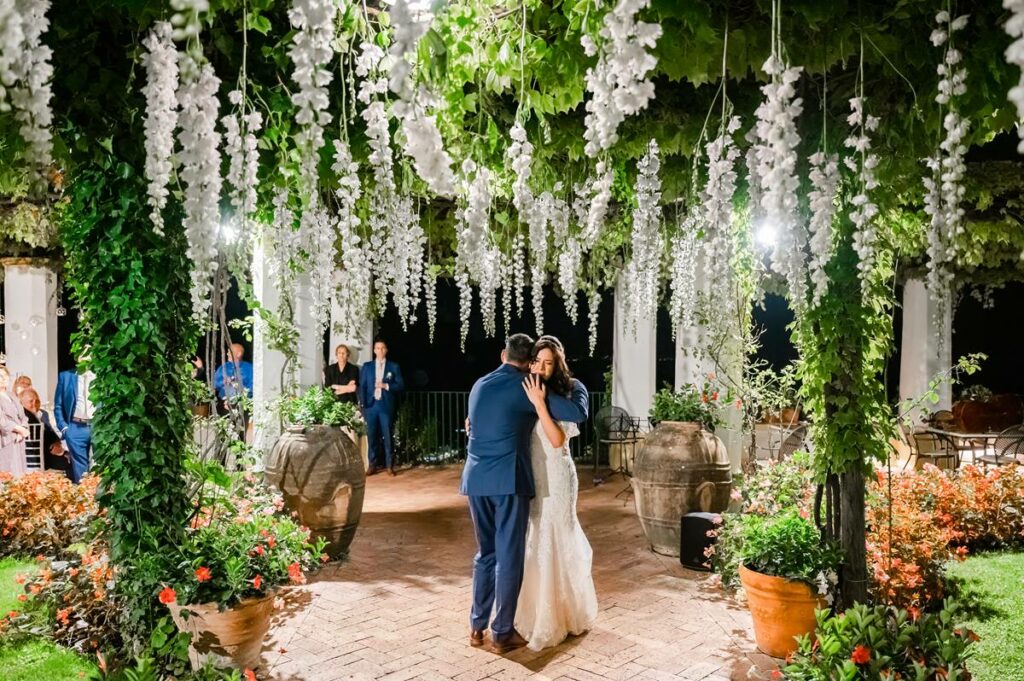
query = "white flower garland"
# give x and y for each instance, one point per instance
(355, 279)
(618, 83)
(31, 96)
(372, 88)
(598, 194)
(824, 177)
(683, 301)
(161, 62)
(643, 271)
(717, 197)
(944, 190)
(185, 19)
(407, 249)
(410, 20)
(863, 162)
(243, 157)
(532, 212)
(311, 51)
(1015, 57)
(12, 37)
(430, 299)
(776, 154)
(518, 273)
(200, 173)
(318, 238)
(424, 145)
(593, 311)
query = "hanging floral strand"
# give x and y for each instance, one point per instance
(161, 62)
(12, 37)
(683, 301)
(1015, 56)
(531, 212)
(354, 280)
(240, 144)
(824, 177)
(642, 273)
(863, 162)
(618, 83)
(31, 95)
(717, 199)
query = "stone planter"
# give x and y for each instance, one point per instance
(320, 472)
(232, 637)
(782, 610)
(681, 468)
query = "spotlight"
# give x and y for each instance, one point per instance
(766, 233)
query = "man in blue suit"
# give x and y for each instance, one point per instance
(498, 479)
(73, 410)
(380, 381)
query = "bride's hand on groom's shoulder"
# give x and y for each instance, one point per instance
(535, 390)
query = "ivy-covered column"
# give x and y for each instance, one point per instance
(132, 287)
(926, 347)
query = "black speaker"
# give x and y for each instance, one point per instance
(694, 539)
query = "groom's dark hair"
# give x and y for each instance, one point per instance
(518, 349)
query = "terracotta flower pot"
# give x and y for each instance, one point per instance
(782, 610)
(230, 637)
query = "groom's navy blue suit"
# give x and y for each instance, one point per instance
(498, 480)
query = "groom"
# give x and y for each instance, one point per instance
(498, 480)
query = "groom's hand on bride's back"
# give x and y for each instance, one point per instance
(573, 408)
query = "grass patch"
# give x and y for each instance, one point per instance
(34, 659)
(992, 591)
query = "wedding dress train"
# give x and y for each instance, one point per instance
(557, 597)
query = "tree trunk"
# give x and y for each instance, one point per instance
(853, 539)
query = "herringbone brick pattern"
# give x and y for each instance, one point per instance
(398, 607)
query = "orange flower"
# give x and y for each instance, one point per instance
(324, 558)
(23, 598)
(203, 574)
(295, 574)
(63, 616)
(20, 579)
(776, 674)
(257, 582)
(168, 596)
(258, 551)
(714, 396)
(861, 655)
(249, 675)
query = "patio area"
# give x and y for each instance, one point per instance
(397, 608)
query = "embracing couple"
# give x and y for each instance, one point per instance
(532, 569)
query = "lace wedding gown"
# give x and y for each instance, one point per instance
(558, 596)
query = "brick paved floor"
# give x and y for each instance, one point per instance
(397, 608)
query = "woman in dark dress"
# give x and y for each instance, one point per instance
(342, 377)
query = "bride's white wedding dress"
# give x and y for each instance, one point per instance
(558, 596)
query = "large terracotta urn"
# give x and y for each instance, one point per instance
(320, 472)
(230, 637)
(782, 609)
(681, 468)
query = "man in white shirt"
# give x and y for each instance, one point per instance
(73, 411)
(380, 381)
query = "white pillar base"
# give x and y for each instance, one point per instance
(633, 361)
(926, 348)
(30, 308)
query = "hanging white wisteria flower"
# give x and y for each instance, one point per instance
(354, 277)
(405, 256)
(775, 149)
(200, 173)
(185, 19)
(643, 272)
(311, 52)
(430, 298)
(31, 96)
(1015, 56)
(944, 189)
(570, 260)
(532, 212)
(476, 260)
(863, 162)
(598, 196)
(424, 146)
(683, 301)
(283, 245)
(465, 302)
(410, 20)
(821, 199)
(372, 89)
(318, 237)
(161, 62)
(717, 197)
(488, 288)
(518, 273)
(12, 37)
(593, 311)
(618, 84)
(240, 144)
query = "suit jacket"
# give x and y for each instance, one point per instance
(65, 399)
(48, 439)
(501, 418)
(368, 379)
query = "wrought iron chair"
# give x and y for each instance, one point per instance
(1008, 447)
(933, 448)
(615, 427)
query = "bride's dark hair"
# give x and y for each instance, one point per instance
(561, 379)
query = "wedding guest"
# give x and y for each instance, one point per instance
(55, 458)
(72, 411)
(20, 383)
(232, 378)
(342, 377)
(13, 429)
(380, 381)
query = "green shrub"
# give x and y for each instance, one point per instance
(788, 546)
(692, 404)
(319, 407)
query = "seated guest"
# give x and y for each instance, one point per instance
(13, 429)
(20, 383)
(54, 456)
(342, 377)
(232, 378)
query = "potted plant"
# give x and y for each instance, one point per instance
(237, 551)
(682, 467)
(787, 574)
(317, 466)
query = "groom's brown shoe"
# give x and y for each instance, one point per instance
(476, 638)
(508, 643)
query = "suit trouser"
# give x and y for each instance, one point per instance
(500, 526)
(378, 428)
(78, 437)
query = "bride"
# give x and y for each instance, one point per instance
(557, 597)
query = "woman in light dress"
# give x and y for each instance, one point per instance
(13, 429)
(557, 598)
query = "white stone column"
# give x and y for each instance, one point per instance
(30, 308)
(633, 361)
(360, 346)
(926, 348)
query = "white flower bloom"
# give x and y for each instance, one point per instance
(824, 178)
(410, 20)
(12, 39)
(185, 19)
(593, 311)
(424, 145)
(318, 237)
(683, 300)
(161, 62)
(354, 282)
(532, 212)
(31, 94)
(311, 52)
(717, 197)
(643, 271)
(430, 300)
(475, 257)
(618, 83)
(200, 173)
